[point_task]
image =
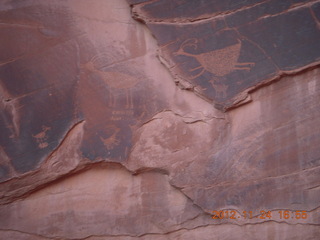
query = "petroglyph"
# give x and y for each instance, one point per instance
(219, 62)
(41, 137)
(221, 89)
(121, 114)
(116, 81)
(111, 141)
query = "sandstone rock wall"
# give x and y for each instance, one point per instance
(142, 119)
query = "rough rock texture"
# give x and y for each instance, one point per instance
(111, 128)
(223, 49)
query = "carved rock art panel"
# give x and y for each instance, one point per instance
(224, 54)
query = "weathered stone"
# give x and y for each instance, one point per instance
(103, 201)
(98, 142)
(54, 77)
(224, 49)
(259, 162)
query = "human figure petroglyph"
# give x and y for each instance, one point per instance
(219, 62)
(116, 81)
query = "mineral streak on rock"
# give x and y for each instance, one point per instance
(97, 141)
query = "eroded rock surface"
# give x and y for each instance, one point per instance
(108, 132)
(223, 49)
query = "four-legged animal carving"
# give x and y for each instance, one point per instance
(219, 62)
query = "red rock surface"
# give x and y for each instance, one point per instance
(223, 49)
(111, 128)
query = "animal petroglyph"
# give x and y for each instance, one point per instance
(117, 81)
(219, 62)
(41, 137)
(111, 141)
